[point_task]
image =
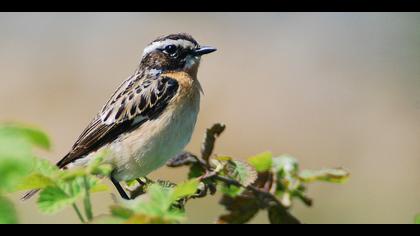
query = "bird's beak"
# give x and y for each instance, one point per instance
(204, 50)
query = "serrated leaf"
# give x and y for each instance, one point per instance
(156, 204)
(44, 167)
(279, 215)
(185, 189)
(53, 199)
(262, 162)
(242, 172)
(328, 175)
(7, 212)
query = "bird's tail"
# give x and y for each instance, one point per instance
(29, 194)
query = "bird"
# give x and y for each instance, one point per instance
(150, 117)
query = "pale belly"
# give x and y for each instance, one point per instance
(149, 147)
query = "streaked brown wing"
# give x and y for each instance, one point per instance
(137, 100)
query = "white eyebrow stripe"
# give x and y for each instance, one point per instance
(161, 44)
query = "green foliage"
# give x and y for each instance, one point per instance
(7, 212)
(262, 162)
(16, 160)
(158, 206)
(417, 219)
(328, 175)
(262, 183)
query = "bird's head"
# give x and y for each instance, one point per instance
(174, 52)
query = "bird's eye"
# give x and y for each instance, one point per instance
(170, 49)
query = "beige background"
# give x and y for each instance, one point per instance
(332, 89)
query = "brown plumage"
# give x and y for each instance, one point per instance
(167, 76)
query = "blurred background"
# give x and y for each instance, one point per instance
(331, 89)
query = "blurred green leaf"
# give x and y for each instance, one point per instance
(328, 175)
(54, 199)
(262, 162)
(417, 219)
(121, 212)
(45, 168)
(12, 172)
(32, 135)
(185, 189)
(153, 207)
(35, 181)
(7, 212)
(231, 190)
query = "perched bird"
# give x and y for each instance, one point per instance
(150, 117)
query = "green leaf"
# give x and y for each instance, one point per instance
(12, 172)
(231, 190)
(121, 212)
(328, 175)
(242, 172)
(7, 212)
(154, 207)
(15, 161)
(99, 188)
(46, 168)
(54, 199)
(262, 162)
(185, 189)
(32, 135)
(417, 219)
(195, 171)
(35, 181)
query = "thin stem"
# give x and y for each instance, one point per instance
(86, 200)
(254, 189)
(76, 209)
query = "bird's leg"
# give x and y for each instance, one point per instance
(119, 188)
